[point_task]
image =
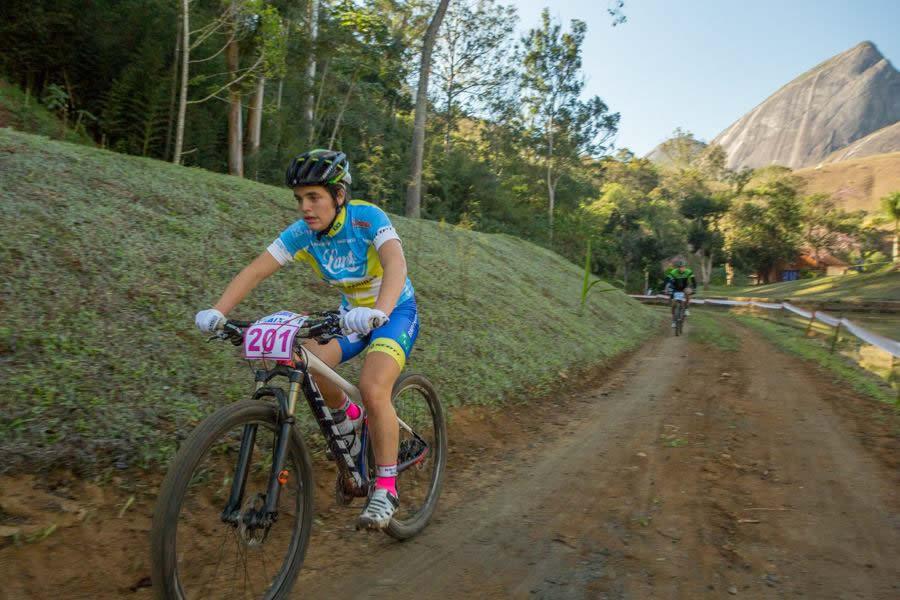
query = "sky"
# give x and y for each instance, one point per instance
(702, 64)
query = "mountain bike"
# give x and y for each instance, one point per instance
(235, 510)
(679, 299)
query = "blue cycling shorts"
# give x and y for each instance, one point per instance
(396, 337)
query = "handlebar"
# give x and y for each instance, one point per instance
(321, 326)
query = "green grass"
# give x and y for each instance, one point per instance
(793, 341)
(705, 328)
(105, 259)
(27, 114)
(883, 284)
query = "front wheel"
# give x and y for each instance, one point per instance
(195, 551)
(419, 408)
(679, 317)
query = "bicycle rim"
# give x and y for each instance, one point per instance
(417, 405)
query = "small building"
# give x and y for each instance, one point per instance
(825, 265)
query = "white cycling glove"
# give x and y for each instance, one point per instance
(209, 320)
(363, 320)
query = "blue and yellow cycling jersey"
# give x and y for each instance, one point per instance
(347, 256)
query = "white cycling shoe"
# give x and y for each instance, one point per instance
(378, 511)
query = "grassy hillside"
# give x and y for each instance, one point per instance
(27, 114)
(878, 285)
(106, 258)
(859, 183)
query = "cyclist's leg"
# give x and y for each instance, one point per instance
(376, 381)
(391, 344)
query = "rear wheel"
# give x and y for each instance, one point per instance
(194, 553)
(418, 406)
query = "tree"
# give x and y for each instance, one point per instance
(561, 128)
(311, 69)
(637, 231)
(704, 212)
(472, 57)
(414, 189)
(764, 228)
(681, 150)
(890, 205)
(185, 34)
(826, 227)
(257, 25)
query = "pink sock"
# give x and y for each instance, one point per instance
(386, 478)
(353, 411)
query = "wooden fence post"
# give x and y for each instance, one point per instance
(812, 317)
(837, 333)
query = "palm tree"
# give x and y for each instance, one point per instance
(890, 204)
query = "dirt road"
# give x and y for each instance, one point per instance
(695, 473)
(691, 472)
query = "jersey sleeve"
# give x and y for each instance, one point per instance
(292, 240)
(380, 228)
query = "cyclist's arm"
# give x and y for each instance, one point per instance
(394, 264)
(244, 282)
(692, 282)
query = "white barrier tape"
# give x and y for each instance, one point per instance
(797, 310)
(726, 302)
(827, 319)
(769, 305)
(888, 345)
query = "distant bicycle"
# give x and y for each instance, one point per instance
(235, 510)
(679, 300)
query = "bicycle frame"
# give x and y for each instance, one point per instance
(301, 380)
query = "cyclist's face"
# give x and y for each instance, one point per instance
(316, 205)
(681, 269)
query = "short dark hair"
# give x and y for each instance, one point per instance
(333, 190)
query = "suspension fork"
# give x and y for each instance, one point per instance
(232, 510)
(279, 452)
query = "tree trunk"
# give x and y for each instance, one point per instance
(182, 101)
(340, 116)
(551, 189)
(706, 261)
(254, 116)
(235, 127)
(311, 69)
(414, 189)
(895, 251)
(173, 93)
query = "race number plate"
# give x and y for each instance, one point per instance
(679, 295)
(272, 337)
